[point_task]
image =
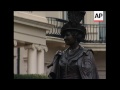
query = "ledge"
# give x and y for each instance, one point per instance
(54, 39)
(93, 46)
(32, 20)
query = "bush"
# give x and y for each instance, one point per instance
(30, 76)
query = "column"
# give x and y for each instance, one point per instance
(15, 57)
(32, 59)
(40, 58)
(15, 43)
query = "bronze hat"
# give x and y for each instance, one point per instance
(74, 18)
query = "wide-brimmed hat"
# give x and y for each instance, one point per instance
(74, 18)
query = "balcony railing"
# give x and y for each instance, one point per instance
(95, 33)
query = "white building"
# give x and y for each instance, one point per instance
(36, 39)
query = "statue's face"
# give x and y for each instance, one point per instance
(68, 38)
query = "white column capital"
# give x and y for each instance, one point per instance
(15, 43)
(31, 46)
(41, 47)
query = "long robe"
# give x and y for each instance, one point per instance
(85, 60)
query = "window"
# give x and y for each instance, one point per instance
(102, 29)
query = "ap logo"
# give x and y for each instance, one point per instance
(98, 16)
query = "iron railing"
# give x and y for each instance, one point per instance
(95, 33)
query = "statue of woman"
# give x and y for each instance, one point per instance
(75, 62)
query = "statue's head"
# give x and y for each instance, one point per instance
(73, 25)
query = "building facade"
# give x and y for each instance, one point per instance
(37, 38)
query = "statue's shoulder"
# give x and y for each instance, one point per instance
(88, 51)
(59, 52)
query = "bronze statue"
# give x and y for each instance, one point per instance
(75, 62)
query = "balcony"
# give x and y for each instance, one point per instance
(95, 33)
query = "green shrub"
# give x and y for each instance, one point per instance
(30, 76)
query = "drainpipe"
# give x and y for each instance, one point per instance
(18, 61)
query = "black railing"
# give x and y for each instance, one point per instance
(95, 33)
(58, 23)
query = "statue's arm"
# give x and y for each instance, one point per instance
(88, 67)
(59, 52)
(55, 67)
